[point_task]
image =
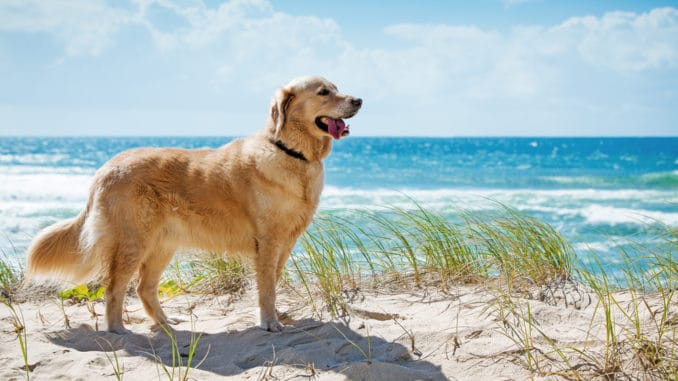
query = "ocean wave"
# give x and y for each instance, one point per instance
(595, 206)
(607, 215)
(598, 214)
(574, 180)
(33, 159)
(43, 187)
(664, 179)
(333, 195)
(47, 170)
(590, 206)
(658, 180)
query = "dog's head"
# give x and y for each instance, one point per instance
(315, 106)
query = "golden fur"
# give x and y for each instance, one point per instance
(250, 198)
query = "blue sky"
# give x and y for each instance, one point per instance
(434, 68)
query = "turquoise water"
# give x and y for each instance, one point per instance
(601, 193)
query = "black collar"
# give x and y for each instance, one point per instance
(289, 151)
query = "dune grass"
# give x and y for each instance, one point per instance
(116, 364)
(208, 273)
(179, 368)
(11, 276)
(635, 310)
(642, 328)
(515, 254)
(340, 255)
(19, 326)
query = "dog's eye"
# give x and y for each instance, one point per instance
(323, 92)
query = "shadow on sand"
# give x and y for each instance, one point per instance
(327, 346)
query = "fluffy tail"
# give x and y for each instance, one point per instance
(56, 253)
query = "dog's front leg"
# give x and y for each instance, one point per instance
(265, 267)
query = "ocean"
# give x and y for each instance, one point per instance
(603, 194)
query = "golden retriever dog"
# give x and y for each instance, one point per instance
(252, 198)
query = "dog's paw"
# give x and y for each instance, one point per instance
(271, 326)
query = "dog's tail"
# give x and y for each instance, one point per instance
(57, 253)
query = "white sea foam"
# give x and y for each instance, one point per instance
(38, 169)
(593, 194)
(32, 158)
(593, 206)
(336, 195)
(32, 197)
(43, 187)
(600, 214)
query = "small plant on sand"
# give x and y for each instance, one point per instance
(610, 363)
(10, 278)
(169, 288)
(62, 308)
(83, 292)
(22, 337)
(178, 365)
(266, 372)
(208, 273)
(118, 368)
(518, 324)
(517, 327)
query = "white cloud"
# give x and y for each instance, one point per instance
(242, 31)
(246, 39)
(468, 62)
(84, 27)
(204, 26)
(531, 61)
(626, 42)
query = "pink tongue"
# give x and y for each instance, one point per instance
(336, 127)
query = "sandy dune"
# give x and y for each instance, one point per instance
(404, 336)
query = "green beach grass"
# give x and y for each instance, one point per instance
(517, 258)
(520, 259)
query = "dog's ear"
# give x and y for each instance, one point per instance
(279, 105)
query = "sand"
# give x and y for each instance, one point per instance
(415, 335)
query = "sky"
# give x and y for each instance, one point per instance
(424, 68)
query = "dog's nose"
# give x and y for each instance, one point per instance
(356, 101)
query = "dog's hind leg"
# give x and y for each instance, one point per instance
(123, 265)
(150, 272)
